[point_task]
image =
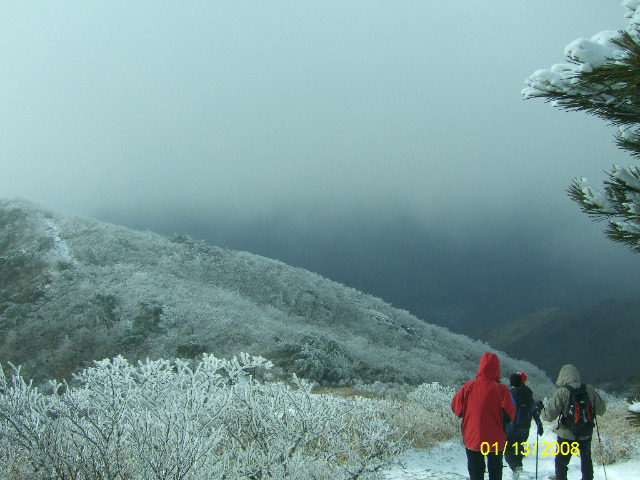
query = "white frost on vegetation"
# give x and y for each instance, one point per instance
(140, 294)
(594, 52)
(629, 176)
(181, 420)
(595, 197)
(60, 250)
(584, 55)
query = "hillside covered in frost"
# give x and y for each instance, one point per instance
(73, 289)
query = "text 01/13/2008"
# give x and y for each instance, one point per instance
(525, 448)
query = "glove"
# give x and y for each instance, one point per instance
(540, 430)
(539, 406)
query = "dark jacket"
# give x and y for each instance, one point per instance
(522, 395)
(559, 403)
(480, 404)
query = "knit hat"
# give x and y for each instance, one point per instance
(515, 380)
(523, 376)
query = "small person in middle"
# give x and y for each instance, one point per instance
(518, 429)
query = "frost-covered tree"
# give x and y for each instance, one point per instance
(602, 78)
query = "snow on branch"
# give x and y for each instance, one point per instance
(601, 78)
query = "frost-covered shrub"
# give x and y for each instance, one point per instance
(188, 420)
(318, 359)
(618, 439)
(634, 414)
(426, 416)
(23, 270)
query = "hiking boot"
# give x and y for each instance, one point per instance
(517, 473)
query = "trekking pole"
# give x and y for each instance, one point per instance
(600, 443)
(536, 453)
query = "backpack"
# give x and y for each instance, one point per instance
(581, 417)
(524, 413)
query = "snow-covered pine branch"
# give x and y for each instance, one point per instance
(601, 77)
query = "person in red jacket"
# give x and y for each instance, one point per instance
(484, 404)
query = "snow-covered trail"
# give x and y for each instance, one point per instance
(447, 461)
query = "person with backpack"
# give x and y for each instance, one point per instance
(483, 404)
(518, 430)
(576, 406)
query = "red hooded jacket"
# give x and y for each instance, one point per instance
(480, 403)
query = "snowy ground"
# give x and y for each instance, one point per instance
(447, 461)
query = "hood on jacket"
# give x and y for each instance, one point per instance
(489, 367)
(568, 375)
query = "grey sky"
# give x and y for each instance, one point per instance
(252, 107)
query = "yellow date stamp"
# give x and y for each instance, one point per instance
(525, 448)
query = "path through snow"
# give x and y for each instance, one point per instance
(447, 461)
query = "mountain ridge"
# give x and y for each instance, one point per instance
(601, 340)
(74, 289)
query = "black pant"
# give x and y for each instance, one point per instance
(515, 450)
(562, 461)
(476, 465)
